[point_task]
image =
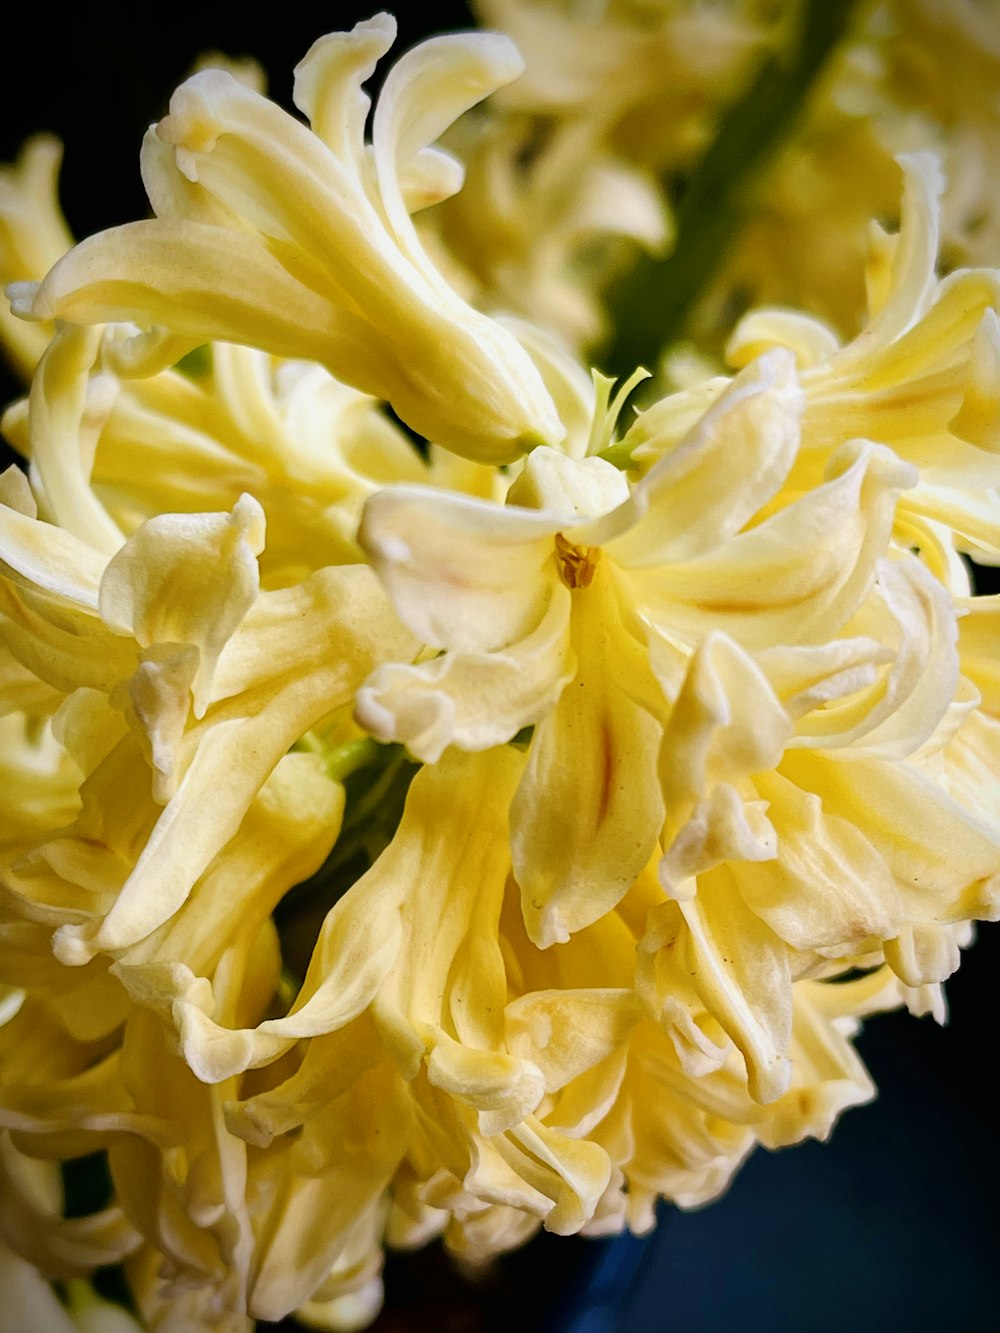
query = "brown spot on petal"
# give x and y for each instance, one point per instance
(607, 762)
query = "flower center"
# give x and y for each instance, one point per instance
(577, 564)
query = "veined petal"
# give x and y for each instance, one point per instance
(395, 935)
(455, 824)
(588, 811)
(205, 281)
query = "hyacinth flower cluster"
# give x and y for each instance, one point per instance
(436, 801)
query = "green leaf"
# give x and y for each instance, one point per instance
(651, 305)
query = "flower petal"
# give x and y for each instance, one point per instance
(462, 574)
(588, 811)
(472, 700)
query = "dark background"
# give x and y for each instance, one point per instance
(893, 1225)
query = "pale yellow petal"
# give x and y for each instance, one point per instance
(67, 410)
(588, 811)
(827, 888)
(744, 978)
(705, 490)
(472, 700)
(187, 579)
(463, 574)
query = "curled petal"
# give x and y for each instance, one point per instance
(799, 575)
(725, 725)
(472, 700)
(978, 418)
(187, 579)
(463, 574)
(279, 240)
(692, 501)
(744, 978)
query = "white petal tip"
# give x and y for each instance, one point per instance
(72, 945)
(22, 298)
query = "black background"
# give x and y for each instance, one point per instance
(893, 1225)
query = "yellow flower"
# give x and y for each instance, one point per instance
(918, 379)
(576, 616)
(702, 748)
(185, 684)
(299, 241)
(33, 236)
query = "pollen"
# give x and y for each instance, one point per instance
(577, 564)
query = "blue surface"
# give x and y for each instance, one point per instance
(891, 1227)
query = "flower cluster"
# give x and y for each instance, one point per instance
(490, 813)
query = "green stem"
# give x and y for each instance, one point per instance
(651, 305)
